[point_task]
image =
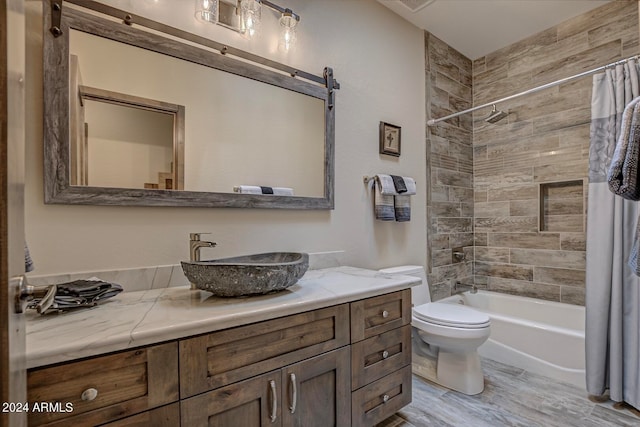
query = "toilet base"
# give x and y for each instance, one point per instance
(447, 370)
(460, 371)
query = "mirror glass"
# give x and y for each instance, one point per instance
(150, 115)
(238, 131)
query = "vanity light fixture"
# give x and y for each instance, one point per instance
(207, 10)
(250, 17)
(287, 30)
(250, 14)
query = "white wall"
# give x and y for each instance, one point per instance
(378, 58)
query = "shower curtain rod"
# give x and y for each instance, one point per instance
(432, 122)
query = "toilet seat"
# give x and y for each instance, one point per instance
(452, 315)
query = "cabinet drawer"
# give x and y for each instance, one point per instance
(381, 355)
(165, 416)
(126, 383)
(381, 399)
(373, 316)
(220, 358)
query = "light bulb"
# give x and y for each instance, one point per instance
(207, 10)
(250, 16)
(287, 31)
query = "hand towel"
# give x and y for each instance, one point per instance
(410, 183)
(402, 208)
(79, 293)
(385, 184)
(398, 183)
(622, 177)
(383, 203)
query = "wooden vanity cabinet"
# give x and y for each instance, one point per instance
(347, 364)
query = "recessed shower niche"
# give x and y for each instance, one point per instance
(562, 206)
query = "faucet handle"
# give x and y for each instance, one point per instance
(196, 236)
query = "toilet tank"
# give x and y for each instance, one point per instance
(419, 293)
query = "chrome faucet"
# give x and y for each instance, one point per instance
(194, 248)
(459, 287)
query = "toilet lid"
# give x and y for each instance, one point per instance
(454, 315)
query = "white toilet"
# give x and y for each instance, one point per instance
(450, 333)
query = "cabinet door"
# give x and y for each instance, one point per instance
(250, 403)
(316, 392)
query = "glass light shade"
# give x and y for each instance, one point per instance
(287, 32)
(207, 10)
(250, 17)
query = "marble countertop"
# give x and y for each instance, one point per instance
(133, 319)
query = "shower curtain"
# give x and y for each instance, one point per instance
(612, 290)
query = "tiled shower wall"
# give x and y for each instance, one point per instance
(530, 169)
(450, 168)
(516, 202)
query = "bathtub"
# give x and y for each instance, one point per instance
(539, 336)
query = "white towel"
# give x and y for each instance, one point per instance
(410, 183)
(385, 184)
(282, 191)
(383, 203)
(249, 189)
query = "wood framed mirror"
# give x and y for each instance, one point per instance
(236, 119)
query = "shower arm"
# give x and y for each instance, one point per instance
(432, 122)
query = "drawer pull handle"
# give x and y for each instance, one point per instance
(274, 401)
(385, 398)
(294, 399)
(89, 394)
(385, 314)
(385, 354)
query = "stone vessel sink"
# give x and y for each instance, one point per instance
(247, 274)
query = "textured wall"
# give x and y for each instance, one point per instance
(450, 166)
(519, 161)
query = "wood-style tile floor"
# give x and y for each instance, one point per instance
(512, 397)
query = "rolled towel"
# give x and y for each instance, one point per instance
(622, 176)
(402, 208)
(283, 191)
(383, 203)
(385, 184)
(249, 189)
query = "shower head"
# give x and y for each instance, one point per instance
(495, 115)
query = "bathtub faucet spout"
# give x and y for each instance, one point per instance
(459, 287)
